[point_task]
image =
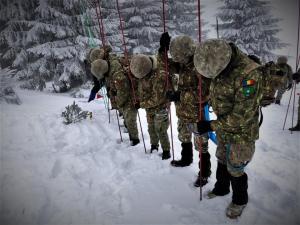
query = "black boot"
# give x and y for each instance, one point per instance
(223, 182)
(186, 156)
(239, 189)
(239, 197)
(135, 142)
(277, 101)
(205, 170)
(165, 155)
(154, 147)
(295, 128)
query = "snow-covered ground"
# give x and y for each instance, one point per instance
(81, 173)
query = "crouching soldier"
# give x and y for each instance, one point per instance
(151, 91)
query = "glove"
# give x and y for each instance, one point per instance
(165, 41)
(204, 127)
(296, 76)
(173, 96)
(289, 87)
(92, 95)
(137, 105)
(280, 73)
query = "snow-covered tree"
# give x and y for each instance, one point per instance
(250, 25)
(143, 25)
(15, 21)
(183, 18)
(59, 49)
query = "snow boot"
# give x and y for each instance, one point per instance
(186, 156)
(277, 101)
(165, 155)
(222, 186)
(135, 142)
(233, 210)
(295, 128)
(239, 196)
(205, 170)
(154, 147)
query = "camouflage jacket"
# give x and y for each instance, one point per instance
(287, 70)
(187, 108)
(152, 88)
(120, 85)
(235, 98)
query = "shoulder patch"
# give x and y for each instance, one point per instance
(248, 87)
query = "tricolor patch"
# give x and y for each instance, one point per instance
(248, 87)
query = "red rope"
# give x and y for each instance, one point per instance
(129, 72)
(200, 102)
(101, 32)
(167, 79)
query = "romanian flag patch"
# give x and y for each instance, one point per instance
(248, 87)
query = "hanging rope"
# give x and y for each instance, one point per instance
(129, 72)
(200, 101)
(102, 35)
(167, 80)
(297, 67)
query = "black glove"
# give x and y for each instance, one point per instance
(173, 96)
(204, 127)
(137, 105)
(289, 87)
(280, 73)
(164, 41)
(296, 76)
(92, 95)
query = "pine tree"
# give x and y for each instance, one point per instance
(143, 25)
(15, 21)
(251, 27)
(59, 49)
(183, 18)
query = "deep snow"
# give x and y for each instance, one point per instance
(81, 173)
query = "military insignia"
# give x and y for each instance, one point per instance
(248, 87)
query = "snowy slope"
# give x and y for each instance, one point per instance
(53, 173)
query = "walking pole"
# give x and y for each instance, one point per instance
(167, 80)
(297, 65)
(200, 103)
(102, 33)
(129, 72)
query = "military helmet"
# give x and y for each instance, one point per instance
(211, 57)
(96, 53)
(140, 65)
(182, 48)
(98, 68)
(282, 60)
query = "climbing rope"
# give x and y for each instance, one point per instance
(129, 72)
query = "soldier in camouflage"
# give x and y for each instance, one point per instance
(151, 91)
(123, 90)
(287, 73)
(235, 96)
(296, 78)
(187, 102)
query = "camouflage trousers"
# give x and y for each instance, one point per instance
(280, 92)
(130, 114)
(158, 124)
(235, 156)
(185, 136)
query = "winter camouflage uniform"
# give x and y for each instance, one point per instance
(287, 70)
(237, 125)
(152, 89)
(235, 95)
(120, 91)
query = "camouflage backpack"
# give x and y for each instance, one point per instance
(272, 79)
